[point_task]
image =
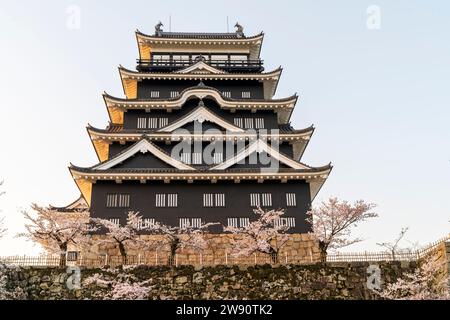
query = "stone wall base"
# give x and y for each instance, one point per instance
(299, 249)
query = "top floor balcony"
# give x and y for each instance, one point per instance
(229, 65)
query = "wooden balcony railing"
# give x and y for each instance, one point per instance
(229, 65)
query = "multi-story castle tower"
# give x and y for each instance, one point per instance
(199, 137)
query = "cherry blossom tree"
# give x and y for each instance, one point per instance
(54, 231)
(266, 235)
(393, 247)
(124, 236)
(176, 238)
(425, 283)
(117, 285)
(333, 221)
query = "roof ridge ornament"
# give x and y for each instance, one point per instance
(201, 103)
(201, 84)
(158, 29)
(239, 30)
(200, 58)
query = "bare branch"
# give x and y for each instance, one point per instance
(393, 247)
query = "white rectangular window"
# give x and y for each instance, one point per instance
(117, 200)
(246, 95)
(208, 200)
(266, 199)
(180, 57)
(259, 123)
(226, 94)
(186, 158)
(174, 94)
(255, 200)
(142, 123)
(190, 223)
(248, 123)
(167, 200)
(111, 200)
(172, 200)
(152, 123)
(163, 122)
(232, 222)
(184, 222)
(115, 221)
(148, 222)
(243, 222)
(285, 222)
(158, 57)
(261, 199)
(196, 222)
(291, 200)
(218, 158)
(238, 222)
(154, 94)
(145, 223)
(124, 200)
(211, 200)
(197, 158)
(220, 200)
(238, 122)
(160, 200)
(239, 57)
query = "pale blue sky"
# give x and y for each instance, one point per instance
(379, 98)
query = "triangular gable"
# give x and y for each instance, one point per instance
(79, 204)
(259, 146)
(143, 161)
(143, 146)
(201, 67)
(201, 114)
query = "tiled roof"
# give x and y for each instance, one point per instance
(114, 128)
(294, 96)
(75, 206)
(199, 170)
(198, 35)
(287, 128)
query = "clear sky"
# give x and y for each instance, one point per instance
(379, 97)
